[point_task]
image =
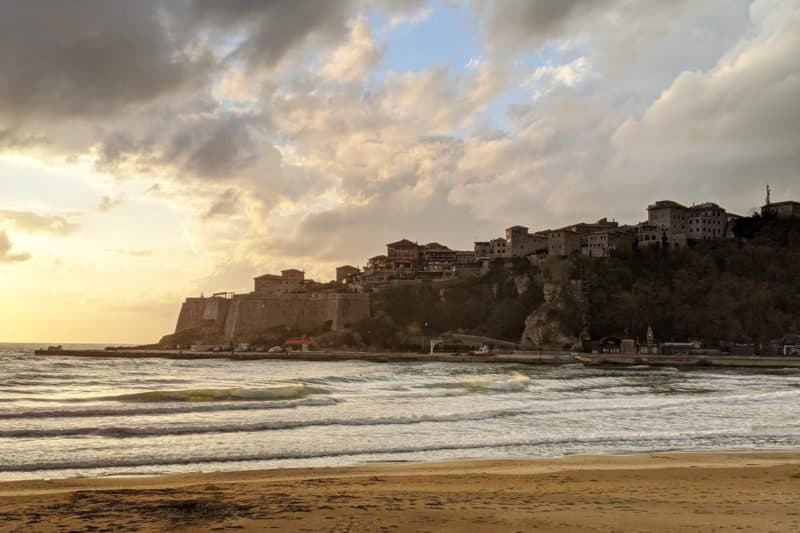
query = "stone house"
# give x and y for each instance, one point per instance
(290, 280)
(345, 272)
(605, 242)
(563, 243)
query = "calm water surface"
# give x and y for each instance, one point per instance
(66, 417)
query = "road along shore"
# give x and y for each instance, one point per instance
(519, 357)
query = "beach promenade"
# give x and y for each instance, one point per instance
(518, 357)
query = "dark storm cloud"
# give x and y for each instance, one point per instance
(222, 150)
(514, 22)
(272, 26)
(90, 57)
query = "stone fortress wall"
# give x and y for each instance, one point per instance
(247, 317)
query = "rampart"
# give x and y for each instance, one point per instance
(203, 313)
(247, 317)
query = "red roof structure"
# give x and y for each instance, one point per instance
(299, 341)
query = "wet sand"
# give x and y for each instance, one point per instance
(656, 492)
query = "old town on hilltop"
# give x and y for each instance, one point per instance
(561, 313)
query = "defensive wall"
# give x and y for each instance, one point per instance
(245, 318)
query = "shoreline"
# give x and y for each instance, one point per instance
(519, 357)
(656, 491)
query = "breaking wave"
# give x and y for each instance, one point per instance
(514, 382)
(166, 410)
(650, 443)
(158, 431)
(286, 392)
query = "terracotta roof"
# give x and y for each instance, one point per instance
(436, 246)
(403, 242)
(268, 276)
(301, 341)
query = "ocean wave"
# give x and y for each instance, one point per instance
(166, 410)
(285, 392)
(611, 443)
(160, 431)
(513, 382)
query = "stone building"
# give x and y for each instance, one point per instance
(343, 273)
(785, 209)
(670, 216)
(290, 280)
(404, 249)
(465, 257)
(521, 243)
(499, 246)
(436, 257)
(707, 221)
(604, 243)
(482, 250)
(562, 243)
(649, 234)
(268, 284)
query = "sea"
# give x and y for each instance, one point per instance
(64, 417)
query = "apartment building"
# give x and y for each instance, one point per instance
(707, 221)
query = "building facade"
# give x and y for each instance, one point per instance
(404, 249)
(785, 209)
(343, 273)
(707, 221)
(607, 242)
(563, 243)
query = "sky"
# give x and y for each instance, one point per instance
(151, 150)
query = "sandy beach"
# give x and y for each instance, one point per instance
(650, 492)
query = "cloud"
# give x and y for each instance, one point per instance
(728, 130)
(226, 204)
(88, 58)
(107, 203)
(271, 28)
(517, 24)
(6, 256)
(354, 60)
(549, 77)
(30, 222)
(147, 252)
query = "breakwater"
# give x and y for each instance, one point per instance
(529, 358)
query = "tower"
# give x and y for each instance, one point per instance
(768, 191)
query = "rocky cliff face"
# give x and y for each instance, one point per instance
(546, 326)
